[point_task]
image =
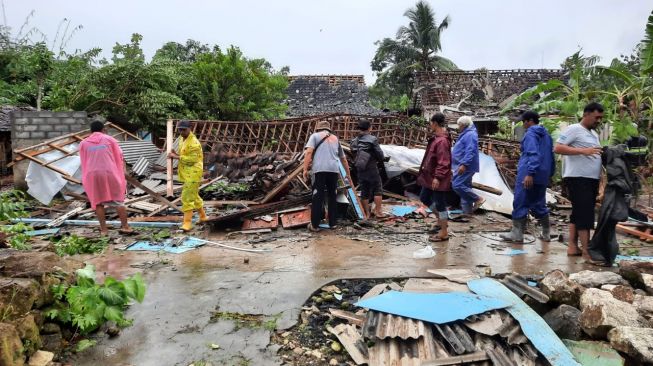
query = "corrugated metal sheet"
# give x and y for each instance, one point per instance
(146, 206)
(519, 285)
(149, 183)
(133, 150)
(142, 166)
(162, 158)
(381, 325)
(399, 352)
(457, 337)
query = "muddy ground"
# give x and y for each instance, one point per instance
(222, 306)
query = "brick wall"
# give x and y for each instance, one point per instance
(32, 127)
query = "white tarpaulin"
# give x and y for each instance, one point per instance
(402, 158)
(44, 183)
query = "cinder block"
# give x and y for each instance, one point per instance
(20, 120)
(45, 128)
(37, 121)
(43, 114)
(71, 121)
(80, 114)
(62, 128)
(37, 135)
(63, 114)
(52, 134)
(22, 135)
(29, 128)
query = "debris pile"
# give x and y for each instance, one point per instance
(460, 318)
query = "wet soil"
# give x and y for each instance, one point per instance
(175, 325)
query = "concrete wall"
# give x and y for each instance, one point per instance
(31, 127)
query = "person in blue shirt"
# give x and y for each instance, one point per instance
(534, 171)
(464, 161)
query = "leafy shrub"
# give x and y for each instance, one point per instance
(73, 244)
(88, 305)
(12, 205)
(16, 237)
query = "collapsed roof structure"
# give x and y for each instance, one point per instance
(310, 95)
(480, 93)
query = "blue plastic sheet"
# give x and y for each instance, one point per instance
(166, 246)
(435, 308)
(43, 232)
(633, 258)
(401, 211)
(532, 325)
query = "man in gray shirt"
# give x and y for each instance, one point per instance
(581, 171)
(323, 156)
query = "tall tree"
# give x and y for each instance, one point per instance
(416, 47)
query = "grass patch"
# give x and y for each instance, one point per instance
(252, 321)
(73, 244)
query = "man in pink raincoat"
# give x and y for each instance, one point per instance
(103, 175)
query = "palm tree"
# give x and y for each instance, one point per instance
(415, 48)
(422, 38)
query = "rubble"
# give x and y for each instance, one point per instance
(597, 279)
(561, 289)
(620, 292)
(634, 341)
(602, 312)
(565, 322)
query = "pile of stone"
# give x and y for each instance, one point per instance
(605, 306)
(26, 278)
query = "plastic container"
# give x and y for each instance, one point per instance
(424, 253)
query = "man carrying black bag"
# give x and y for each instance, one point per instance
(367, 154)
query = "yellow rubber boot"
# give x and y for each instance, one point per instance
(203, 216)
(188, 221)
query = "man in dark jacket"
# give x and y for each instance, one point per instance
(435, 174)
(534, 171)
(368, 153)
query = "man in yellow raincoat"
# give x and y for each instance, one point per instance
(191, 167)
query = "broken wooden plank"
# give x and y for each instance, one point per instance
(352, 340)
(154, 195)
(284, 183)
(488, 189)
(59, 220)
(458, 360)
(375, 291)
(640, 234)
(433, 285)
(395, 196)
(352, 318)
(169, 143)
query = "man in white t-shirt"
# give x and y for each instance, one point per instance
(581, 170)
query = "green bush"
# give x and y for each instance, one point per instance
(12, 205)
(73, 244)
(87, 305)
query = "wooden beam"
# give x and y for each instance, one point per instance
(154, 195)
(640, 234)
(284, 183)
(169, 143)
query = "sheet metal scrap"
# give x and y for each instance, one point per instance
(142, 167)
(519, 285)
(457, 337)
(399, 352)
(511, 331)
(381, 325)
(499, 357)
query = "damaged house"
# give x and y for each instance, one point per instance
(480, 93)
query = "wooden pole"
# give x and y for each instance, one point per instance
(169, 143)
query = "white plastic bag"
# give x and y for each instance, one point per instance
(426, 252)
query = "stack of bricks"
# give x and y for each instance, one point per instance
(29, 128)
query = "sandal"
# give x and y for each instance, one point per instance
(127, 231)
(437, 239)
(313, 229)
(478, 204)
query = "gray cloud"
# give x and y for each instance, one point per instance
(337, 36)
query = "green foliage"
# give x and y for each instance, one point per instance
(87, 305)
(12, 205)
(646, 52)
(16, 237)
(84, 344)
(191, 81)
(506, 129)
(415, 48)
(222, 187)
(73, 244)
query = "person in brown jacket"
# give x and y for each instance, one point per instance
(435, 174)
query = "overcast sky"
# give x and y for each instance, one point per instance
(337, 36)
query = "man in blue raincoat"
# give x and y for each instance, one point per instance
(534, 171)
(464, 162)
